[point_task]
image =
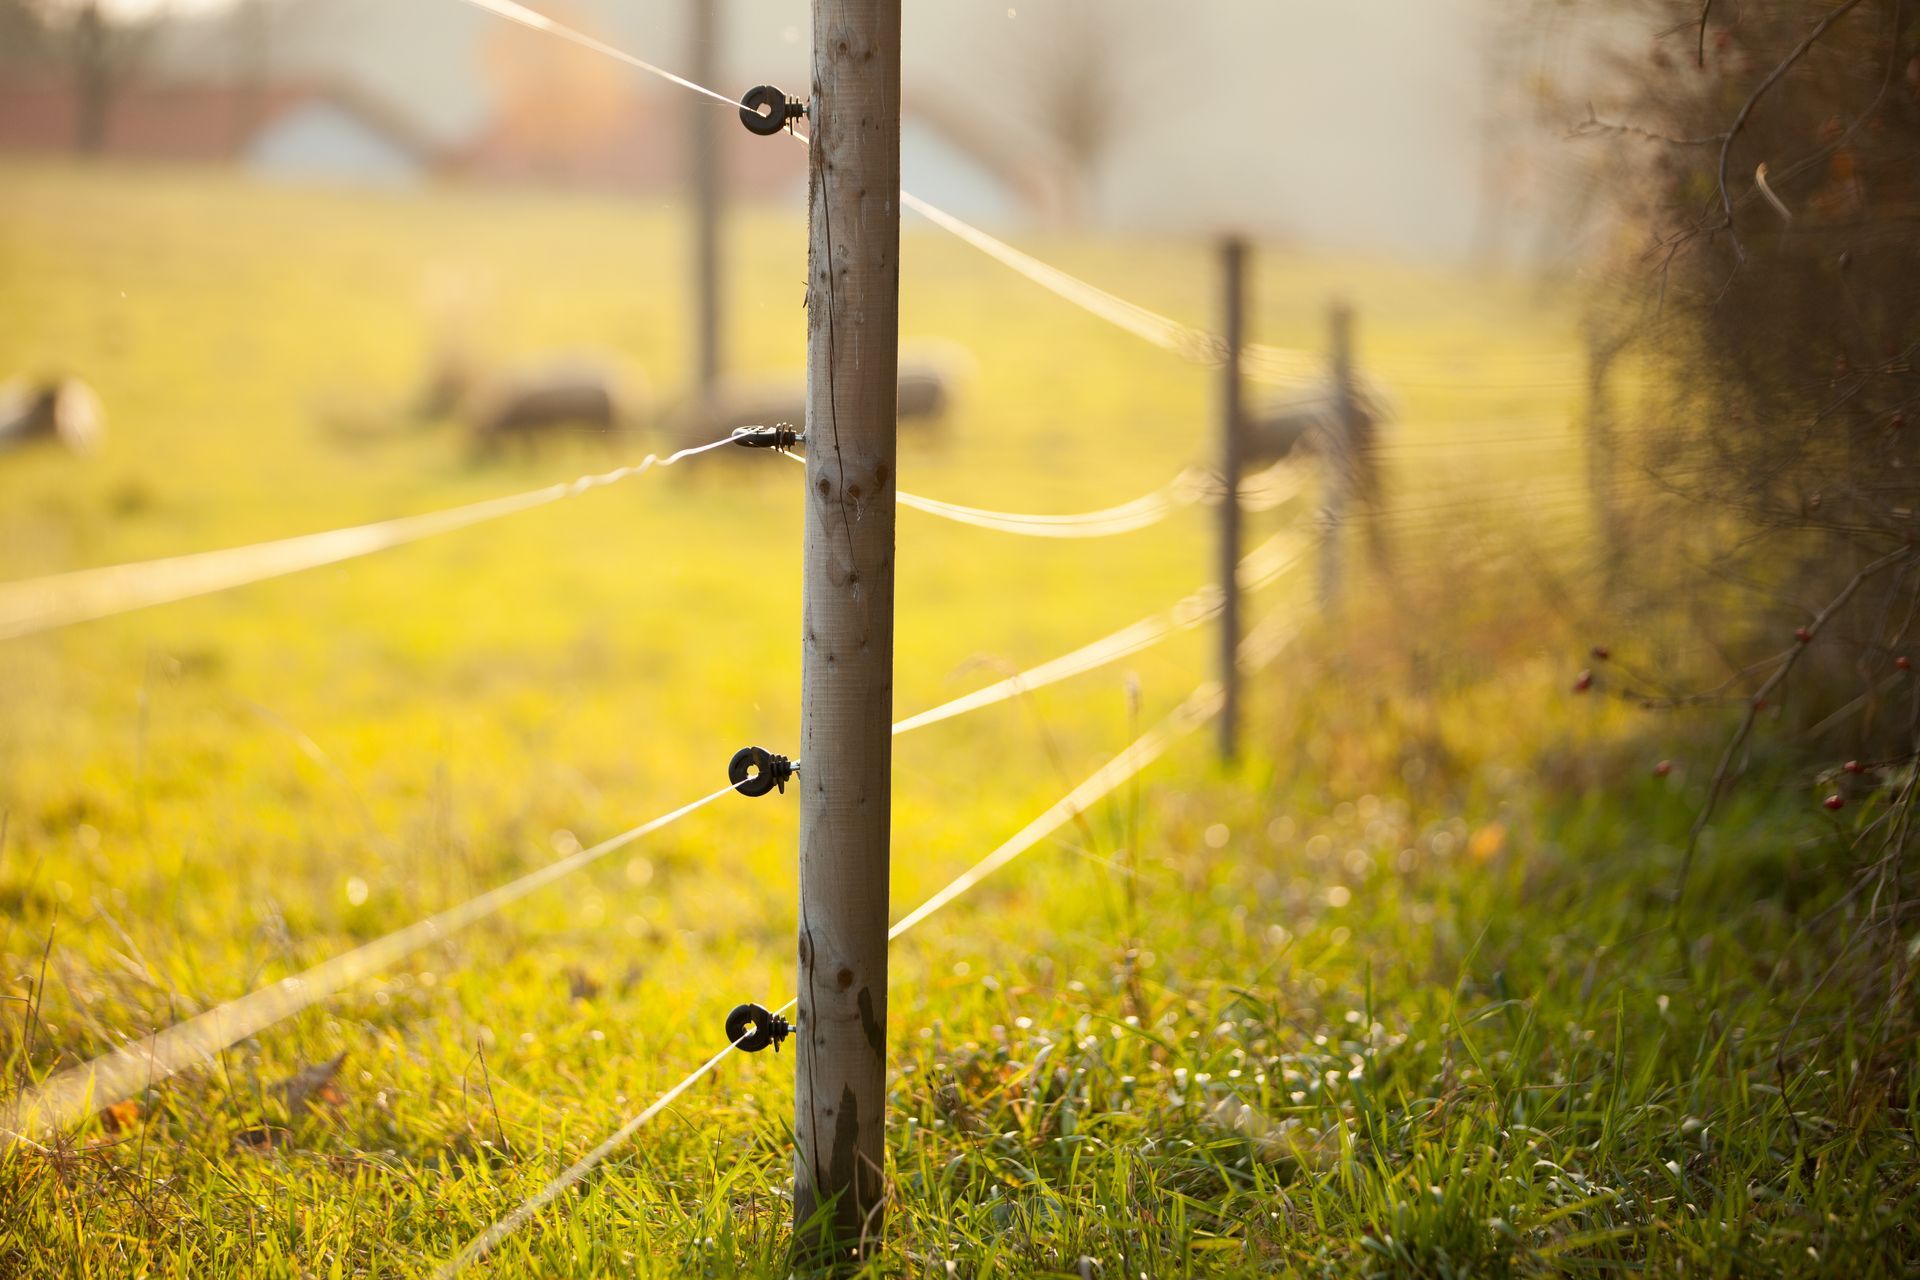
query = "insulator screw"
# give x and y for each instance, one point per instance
(781, 435)
(754, 771)
(766, 111)
(753, 1027)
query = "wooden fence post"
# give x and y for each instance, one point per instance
(1233, 262)
(846, 713)
(1341, 455)
(703, 154)
(1600, 454)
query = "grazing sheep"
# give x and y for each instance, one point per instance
(929, 382)
(926, 393)
(63, 410)
(532, 402)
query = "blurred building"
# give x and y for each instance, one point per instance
(627, 140)
(1359, 124)
(304, 132)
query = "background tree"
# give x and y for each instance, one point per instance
(99, 49)
(23, 37)
(1762, 163)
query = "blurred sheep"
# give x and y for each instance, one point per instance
(525, 404)
(63, 410)
(930, 378)
(1306, 417)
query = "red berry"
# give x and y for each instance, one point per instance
(1802, 634)
(1898, 421)
(1759, 704)
(1903, 662)
(1834, 801)
(1854, 766)
(1601, 652)
(1583, 682)
(1662, 769)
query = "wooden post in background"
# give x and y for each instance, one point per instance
(703, 156)
(1342, 455)
(1233, 298)
(1600, 454)
(846, 710)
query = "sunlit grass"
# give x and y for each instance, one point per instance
(1395, 997)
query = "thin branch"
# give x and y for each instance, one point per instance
(1746, 110)
(1594, 126)
(1754, 705)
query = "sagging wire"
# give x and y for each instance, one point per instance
(541, 22)
(1262, 646)
(1261, 492)
(484, 1243)
(1264, 565)
(1275, 365)
(84, 595)
(112, 1077)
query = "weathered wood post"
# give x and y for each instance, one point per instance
(1233, 262)
(703, 154)
(1341, 455)
(853, 287)
(1601, 351)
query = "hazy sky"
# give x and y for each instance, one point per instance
(1359, 122)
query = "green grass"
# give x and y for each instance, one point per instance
(1398, 996)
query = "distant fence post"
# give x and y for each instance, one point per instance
(846, 700)
(703, 153)
(1601, 454)
(1342, 447)
(1233, 298)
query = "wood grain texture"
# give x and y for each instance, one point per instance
(847, 664)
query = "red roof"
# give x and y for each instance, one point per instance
(173, 121)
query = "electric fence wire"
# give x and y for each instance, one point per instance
(57, 600)
(1263, 645)
(1260, 492)
(80, 1091)
(1264, 565)
(1280, 366)
(113, 1077)
(42, 604)
(541, 22)
(1258, 361)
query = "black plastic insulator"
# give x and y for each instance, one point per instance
(766, 111)
(754, 771)
(781, 435)
(753, 1027)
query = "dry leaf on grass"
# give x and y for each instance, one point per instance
(312, 1085)
(121, 1116)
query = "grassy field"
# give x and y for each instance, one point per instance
(1399, 995)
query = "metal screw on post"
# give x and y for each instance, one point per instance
(766, 111)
